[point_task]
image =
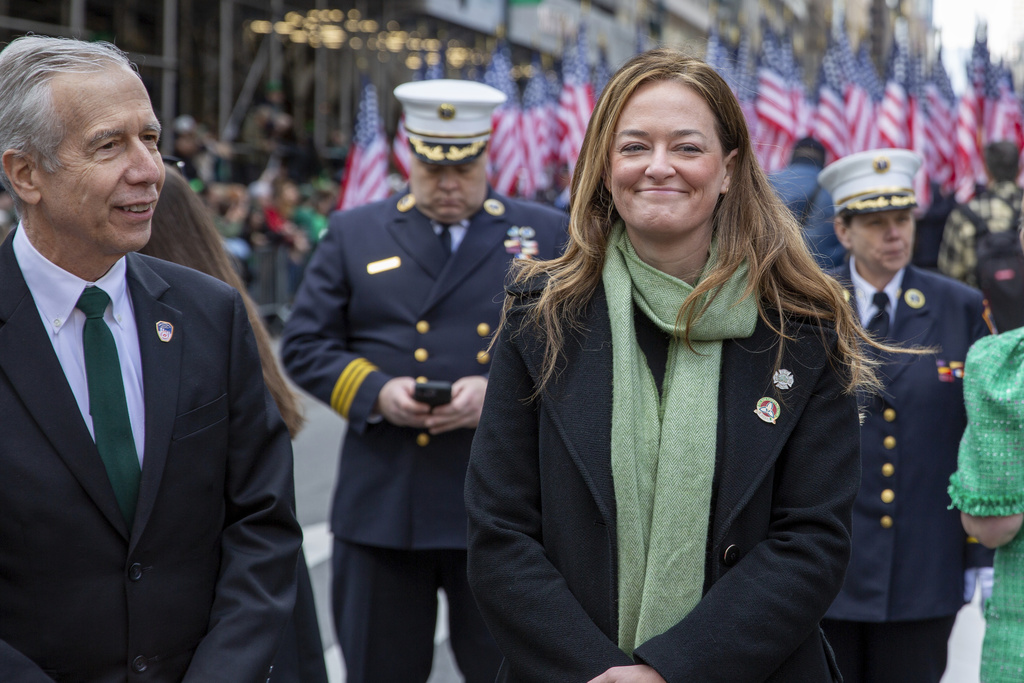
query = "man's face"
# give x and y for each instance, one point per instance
(449, 194)
(881, 243)
(99, 204)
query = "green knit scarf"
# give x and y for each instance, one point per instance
(663, 450)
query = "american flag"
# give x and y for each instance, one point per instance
(894, 112)
(366, 169)
(576, 101)
(941, 128)
(745, 83)
(777, 113)
(602, 73)
(1005, 122)
(969, 166)
(719, 57)
(506, 150)
(917, 126)
(537, 134)
(860, 106)
(830, 127)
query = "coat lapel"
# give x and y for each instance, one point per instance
(161, 375)
(28, 360)
(412, 231)
(912, 326)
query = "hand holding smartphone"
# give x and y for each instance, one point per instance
(433, 393)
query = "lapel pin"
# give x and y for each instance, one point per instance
(767, 409)
(783, 379)
(164, 330)
(914, 298)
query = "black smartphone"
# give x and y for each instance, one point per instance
(433, 393)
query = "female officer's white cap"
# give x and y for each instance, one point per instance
(875, 180)
(448, 121)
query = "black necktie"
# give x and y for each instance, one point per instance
(446, 240)
(107, 403)
(879, 324)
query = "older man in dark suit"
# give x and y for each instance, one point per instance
(146, 498)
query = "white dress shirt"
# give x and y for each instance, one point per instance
(456, 230)
(56, 292)
(865, 293)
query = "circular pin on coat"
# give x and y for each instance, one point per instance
(767, 409)
(494, 207)
(914, 298)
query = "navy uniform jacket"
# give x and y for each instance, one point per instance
(379, 301)
(909, 550)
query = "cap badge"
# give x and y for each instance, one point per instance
(164, 330)
(783, 379)
(767, 409)
(406, 202)
(446, 112)
(494, 207)
(914, 298)
(881, 164)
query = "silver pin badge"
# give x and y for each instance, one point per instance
(783, 379)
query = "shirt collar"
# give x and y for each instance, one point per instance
(56, 291)
(865, 292)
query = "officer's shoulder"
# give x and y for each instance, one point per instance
(542, 215)
(944, 286)
(357, 218)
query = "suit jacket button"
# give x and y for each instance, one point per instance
(139, 664)
(135, 572)
(731, 555)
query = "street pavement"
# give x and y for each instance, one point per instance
(316, 461)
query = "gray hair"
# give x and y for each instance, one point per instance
(29, 121)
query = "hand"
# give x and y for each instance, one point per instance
(638, 673)
(396, 404)
(463, 412)
(992, 532)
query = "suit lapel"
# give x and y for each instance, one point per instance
(161, 375)
(30, 364)
(748, 447)
(585, 380)
(412, 231)
(912, 326)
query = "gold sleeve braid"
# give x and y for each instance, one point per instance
(348, 384)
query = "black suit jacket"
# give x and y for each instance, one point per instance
(202, 586)
(541, 505)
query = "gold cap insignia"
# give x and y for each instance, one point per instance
(881, 164)
(446, 112)
(914, 298)
(406, 203)
(494, 207)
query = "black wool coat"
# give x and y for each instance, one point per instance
(542, 528)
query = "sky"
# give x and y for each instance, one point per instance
(958, 18)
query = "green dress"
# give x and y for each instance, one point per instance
(990, 481)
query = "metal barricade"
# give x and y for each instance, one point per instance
(269, 287)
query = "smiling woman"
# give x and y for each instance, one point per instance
(665, 401)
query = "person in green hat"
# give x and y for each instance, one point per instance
(988, 489)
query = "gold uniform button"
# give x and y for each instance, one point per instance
(421, 379)
(889, 442)
(888, 496)
(886, 522)
(483, 358)
(423, 327)
(888, 470)
(422, 439)
(483, 329)
(889, 414)
(421, 355)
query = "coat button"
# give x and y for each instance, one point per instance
(421, 379)
(889, 414)
(888, 496)
(483, 329)
(135, 572)
(422, 439)
(731, 555)
(483, 358)
(423, 327)
(421, 355)
(889, 442)
(886, 522)
(888, 470)
(139, 664)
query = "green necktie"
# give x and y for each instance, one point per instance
(107, 404)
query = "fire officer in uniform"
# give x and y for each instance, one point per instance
(390, 328)
(911, 558)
